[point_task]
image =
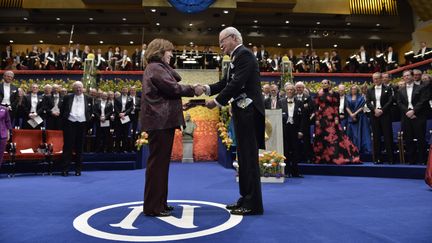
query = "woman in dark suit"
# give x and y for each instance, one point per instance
(161, 113)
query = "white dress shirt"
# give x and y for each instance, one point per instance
(378, 92)
(389, 57)
(409, 89)
(273, 102)
(56, 101)
(77, 113)
(34, 101)
(123, 100)
(341, 104)
(103, 103)
(290, 103)
(6, 94)
(363, 57)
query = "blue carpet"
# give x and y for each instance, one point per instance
(313, 209)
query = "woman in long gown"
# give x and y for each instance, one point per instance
(358, 125)
(331, 145)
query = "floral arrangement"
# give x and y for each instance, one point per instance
(272, 164)
(222, 126)
(141, 140)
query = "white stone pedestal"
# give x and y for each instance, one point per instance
(187, 151)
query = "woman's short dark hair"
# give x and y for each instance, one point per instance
(156, 49)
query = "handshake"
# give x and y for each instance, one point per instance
(199, 90)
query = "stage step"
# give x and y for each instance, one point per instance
(366, 170)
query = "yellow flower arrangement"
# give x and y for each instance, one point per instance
(223, 133)
(141, 140)
(222, 127)
(271, 164)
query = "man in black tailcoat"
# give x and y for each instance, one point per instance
(76, 111)
(242, 84)
(379, 100)
(413, 100)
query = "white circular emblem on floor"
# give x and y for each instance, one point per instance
(125, 221)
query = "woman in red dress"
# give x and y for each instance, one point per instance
(331, 144)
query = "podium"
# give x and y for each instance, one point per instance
(274, 131)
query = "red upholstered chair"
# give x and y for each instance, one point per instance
(23, 139)
(54, 140)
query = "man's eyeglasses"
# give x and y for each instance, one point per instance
(222, 40)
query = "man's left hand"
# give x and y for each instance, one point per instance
(210, 104)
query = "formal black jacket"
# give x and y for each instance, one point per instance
(40, 109)
(427, 50)
(67, 106)
(260, 57)
(307, 108)
(13, 93)
(118, 105)
(298, 119)
(345, 112)
(243, 78)
(136, 109)
(395, 57)
(48, 103)
(367, 57)
(386, 99)
(97, 110)
(419, 100)
(268, 102)
(336, 63)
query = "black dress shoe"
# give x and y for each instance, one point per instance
(169, 208)
(298, 176)
(161, 214)
(244, 211)
(64, 173)
(78, 173)
(232, 206)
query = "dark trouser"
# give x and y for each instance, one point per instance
(382, 126)
(247, 150)
(414, 129)
(291, 149)
(102, 138)
(53, 123)
(73, 134)
(156, 181)
(134, 135)
(122, 132)
(306, 146)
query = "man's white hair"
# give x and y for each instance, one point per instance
(288, 84)
(299, 83)
(233, 31)
(8, 73)
(76, 83)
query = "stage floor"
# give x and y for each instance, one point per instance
(102, 205)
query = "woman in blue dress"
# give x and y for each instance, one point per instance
(358, 125)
